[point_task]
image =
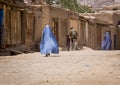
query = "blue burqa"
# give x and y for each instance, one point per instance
(48, 42)
(1, 17)
(106, 43)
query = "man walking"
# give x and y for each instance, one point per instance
(73, 36)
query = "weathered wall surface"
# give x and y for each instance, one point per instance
(29, 29)
(81, 34)
(12, 22)
(116, 18)
(91, 42)
(59, 23)
(65, 20)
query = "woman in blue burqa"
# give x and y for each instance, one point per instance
(48, 42)
(106, 43)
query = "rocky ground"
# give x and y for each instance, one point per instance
(83, 67)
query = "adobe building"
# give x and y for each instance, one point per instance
(105, 22)
(61, 20)
(22, 23)
(102, 28)
(57, 18)
(94, 27)
(114, 10)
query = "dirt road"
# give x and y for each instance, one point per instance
(84, 67)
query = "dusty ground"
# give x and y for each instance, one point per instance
(84, 67)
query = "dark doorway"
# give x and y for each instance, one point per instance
(1, 28)
(55, 27)
(1, 16)
(23, 27)
(115, 42)
(119, 22)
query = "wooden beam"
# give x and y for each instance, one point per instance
(13, 4)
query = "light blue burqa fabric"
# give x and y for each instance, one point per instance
(106, 43)
(48, 42)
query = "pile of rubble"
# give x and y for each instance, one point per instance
(15, 50)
